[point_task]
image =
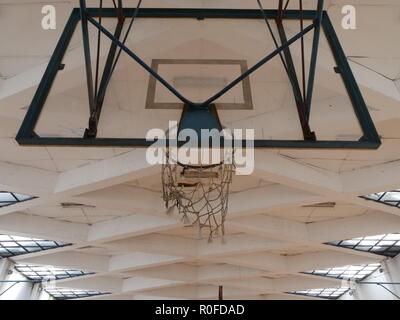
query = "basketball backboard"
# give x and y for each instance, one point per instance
(198, 53)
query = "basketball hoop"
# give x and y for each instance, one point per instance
(199, 193)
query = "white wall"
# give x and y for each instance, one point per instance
(391, 273)
(43, 295)
(19, 291)
(3, 268)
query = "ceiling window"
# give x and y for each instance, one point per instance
(385, 244)
(327, 293)
(43, 273)
(64, 293)
(11, 245)
(9, 198)
(391, 198)
(358, 272)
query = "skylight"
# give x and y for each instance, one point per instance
(64, 293)
(11, 245)
(358, 272)
(43, 273)
(9, 198)
(327, 293)
(385, 244)
(391, 198)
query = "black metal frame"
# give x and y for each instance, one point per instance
(27, 135)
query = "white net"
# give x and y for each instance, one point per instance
(198, 193)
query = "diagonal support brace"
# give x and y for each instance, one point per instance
(291, 72)
(91, 132)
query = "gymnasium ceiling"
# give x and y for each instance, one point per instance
(276, 227)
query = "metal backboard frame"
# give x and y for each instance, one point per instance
(370, 139)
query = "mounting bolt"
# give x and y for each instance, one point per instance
(200, 18)
(61, 66)
(337, 70)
